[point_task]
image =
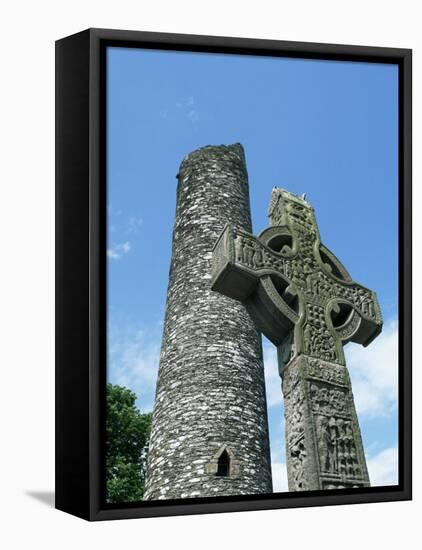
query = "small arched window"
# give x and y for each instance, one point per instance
(223, 465)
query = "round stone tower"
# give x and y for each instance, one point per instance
(209, 430)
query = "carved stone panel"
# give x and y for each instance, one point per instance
(294, 404)
(323, 443)
(337, 447)
(326, 399)
(295, 415)
(337, 438)
(327, 372)
(297, 457)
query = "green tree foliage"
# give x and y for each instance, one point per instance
(126, 446)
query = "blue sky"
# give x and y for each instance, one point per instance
(326, 128)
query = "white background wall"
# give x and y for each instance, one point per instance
(29, 29)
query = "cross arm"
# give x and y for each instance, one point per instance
(364, 321)
(231, 276)
(245, 269)
(239, 260)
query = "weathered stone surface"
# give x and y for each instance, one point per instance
(323, 441)
(210, 432)
(303, 299)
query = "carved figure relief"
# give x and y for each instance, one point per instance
(328, 399)
(327, 372)
(336, 447)
(317, 339)
(327, 443)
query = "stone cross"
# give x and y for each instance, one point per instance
(303, 299)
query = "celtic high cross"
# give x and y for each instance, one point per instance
(303, 299)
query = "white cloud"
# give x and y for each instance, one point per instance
(383, 468)
(111, 210)
(133, 225)
(374, 373)
(279, 474)
(121, 225)
(278, 466)
(187, 106)
(133, 362)
(193, 115)
(185, 103)
(272, 377)
(118, 250)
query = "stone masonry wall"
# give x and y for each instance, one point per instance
(210, 395)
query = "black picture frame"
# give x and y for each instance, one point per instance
(81, 272)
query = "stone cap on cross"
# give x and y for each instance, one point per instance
(298, 293)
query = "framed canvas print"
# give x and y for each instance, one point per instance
(233, 274)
